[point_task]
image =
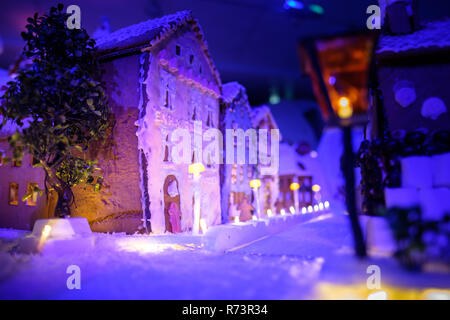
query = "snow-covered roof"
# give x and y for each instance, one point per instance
(231, 91)
(433, 35)
(259, 113)
(289, 161)
(147, 33)
(141, 33)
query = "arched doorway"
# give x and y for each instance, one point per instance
(171, 194)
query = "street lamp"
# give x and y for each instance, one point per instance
(196, 169)
(294, 187)
(255, 184)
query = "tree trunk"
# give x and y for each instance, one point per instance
(64, 192)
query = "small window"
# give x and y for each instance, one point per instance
(34, 161)
(166, 150)
(191, 59)
(13, 194)
(166, 99)
(178, 50)
(17, 163)
(32, 201)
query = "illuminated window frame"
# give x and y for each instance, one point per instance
(13, 194)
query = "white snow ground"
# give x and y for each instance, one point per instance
(289, 265)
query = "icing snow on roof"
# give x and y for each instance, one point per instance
(433, 35)
(141, 33)
(231, 90)
(259, 113)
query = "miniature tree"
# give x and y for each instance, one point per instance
(59, 105)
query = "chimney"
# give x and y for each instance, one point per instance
(399, 16)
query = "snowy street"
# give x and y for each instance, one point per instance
(309, 260)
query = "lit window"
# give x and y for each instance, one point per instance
(31, 188)
(13, 194)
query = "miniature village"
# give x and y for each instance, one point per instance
(128, 146)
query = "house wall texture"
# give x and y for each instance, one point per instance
(22, 215)
(407, 91)
(117, 207)
(178, 73)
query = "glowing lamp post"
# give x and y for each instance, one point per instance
(255, 184)
(294, 187)
(196, 169)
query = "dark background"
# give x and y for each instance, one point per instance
(251, 41)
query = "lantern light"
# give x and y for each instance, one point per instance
(254, 217)
(310, 209)
(316, 188)
(345, 109)
(236, 219)
(46, 231)
(326, 204)
(196, 168)
(255, 183)
(269, 212)
(304, 210)
(294, 186)
(316, 208)
(320, 206)
(291, 209)
(283, 212)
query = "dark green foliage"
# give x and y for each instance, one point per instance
(418, 240)
(59, 102)
(379, 161)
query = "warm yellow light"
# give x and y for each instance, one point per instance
(345, 109)
(316, 207)
(236, 219)
(344, 102)
(46, 231)
(303, 210)
(294, 186)
(255, 183)
(283, 212)
(291, 209)
(310, 209)
(326, 204)
(320, 206)
(269, 212)
(316, 188)
(203, 225)
(196, 168)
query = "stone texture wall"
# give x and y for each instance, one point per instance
(117, 207)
